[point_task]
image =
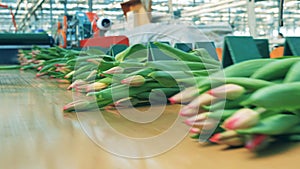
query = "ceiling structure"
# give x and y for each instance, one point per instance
(235, 13)
(32, 15)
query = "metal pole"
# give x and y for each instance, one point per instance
(171, 7)
(65, 8)
(229, 15)
(90, 4)
(280, 15)
(251, 17)
(30, 13)
(51, 17)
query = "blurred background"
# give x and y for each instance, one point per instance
(42, 15)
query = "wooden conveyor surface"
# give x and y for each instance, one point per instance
(36, 134)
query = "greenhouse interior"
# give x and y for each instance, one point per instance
(144, 84)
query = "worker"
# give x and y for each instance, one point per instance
(278, 48)
(279, 40)
(280, 35)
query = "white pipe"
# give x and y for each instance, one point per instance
(251, 17)
(171, 7)
(215, 9)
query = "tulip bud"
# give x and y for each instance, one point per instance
(195, 130)
(78, 104)
(228, 91)
(136, 80)
(243, 118)
(81, 88)
(21, 55)
(62, 70)
(92, 75)
(60, 65)
(187, 111)
(208, 124)
(63, 81)
(114, 70)
(235, 141)
(76, 83)
(257, 142)
(126, 102)
(203, 99)
(229, 137)
(198, 118)
(95, 61)
(96, 86)
(184, 96)
(40, 68)
(69, 74)
(40, 74)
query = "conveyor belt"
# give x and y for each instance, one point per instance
(10, 43)
(36, 134)
(24, 39)
(14, 82)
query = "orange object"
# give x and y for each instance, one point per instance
(61, 33)
(93, 17)
(62, 38)
(13, 20)
(59, 25)
(65, 23)
(128, 6)
(219, 53)
(12, 16)
(3, 6)
(277, 52)
(104, 42)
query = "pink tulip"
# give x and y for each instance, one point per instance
(184, 96)
(257, 142)
(114, 70)
(228, 91)
(243, 118)
(229, 137)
